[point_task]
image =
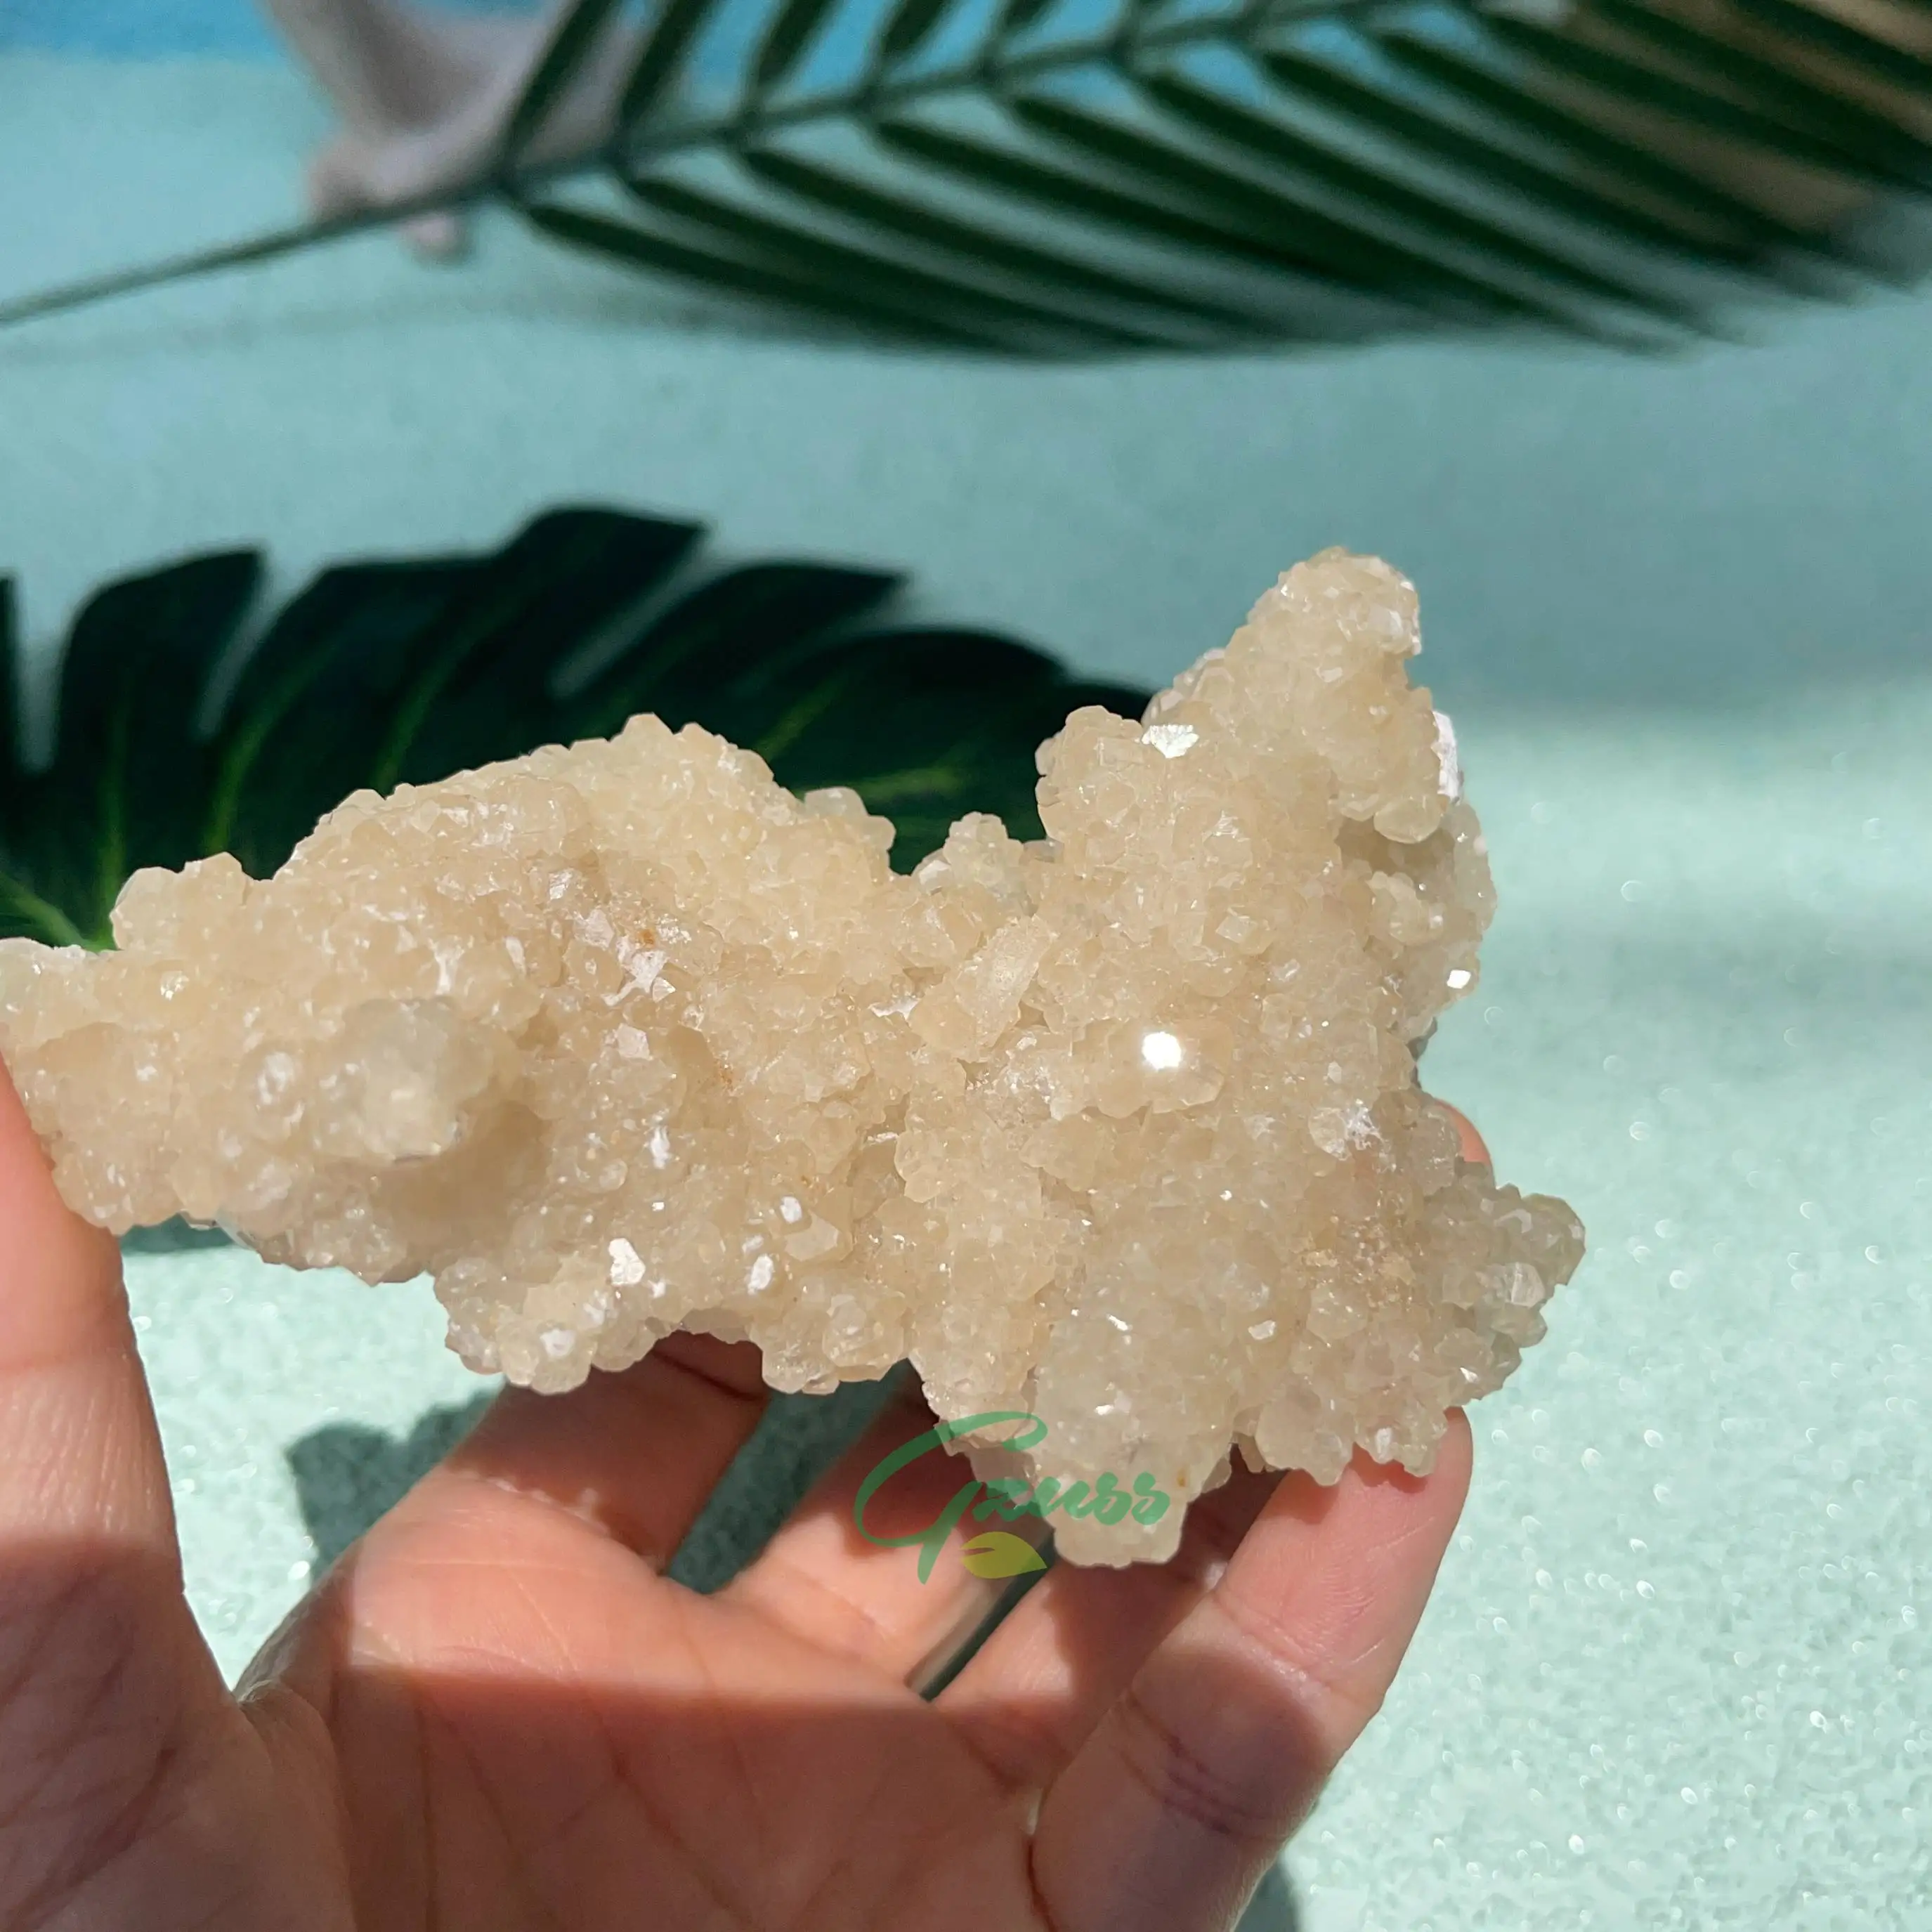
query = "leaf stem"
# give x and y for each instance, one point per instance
(739, 126)
(54, 924)
(887, 787)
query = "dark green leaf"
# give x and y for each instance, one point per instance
(1059, 190)
(784, 287)
(564, 583)
(415, 669)
(793, 27)
(931, 680)
(573, 39)
(1832, 35)
(1424, 212)
(1703, 109)
(130, 774)
(723, 636)
(1869, 140)
(382, 673)
(908, 28)
(1490, 162)
(23, 913)
(1348, 253)
(1632, 116)
(1512, 102)
(303, 730)
(12, 752)
(1067, 277)
(968, 709)
(666, 43)
(1016, 16)
(917, 298)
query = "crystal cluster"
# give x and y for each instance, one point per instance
(1121, 1128)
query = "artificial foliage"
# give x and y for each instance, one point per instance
(400, 672)
(1084, 178)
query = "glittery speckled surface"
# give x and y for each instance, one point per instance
(1676, 1673)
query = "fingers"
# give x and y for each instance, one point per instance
(80, 1456)
(905, 1603)
(1029, 1697)
(105, 1683)
(633, 1454)
(1172, 1810)
(1473, 1148)
(1053, 1668)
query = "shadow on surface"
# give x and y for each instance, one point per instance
(701, 1789)
(1273, 1908)
(798, 1439)
(346, 1475)
(172, 1237)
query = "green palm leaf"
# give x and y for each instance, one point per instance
(383, 674)
(1023, 177)
(1598, 147)
(1732, 96)
(571, 42)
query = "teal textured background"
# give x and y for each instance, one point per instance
(1676, 1672)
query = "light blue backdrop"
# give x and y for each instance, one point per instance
(1677, 1672)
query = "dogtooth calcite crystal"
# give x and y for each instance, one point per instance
(1121, 1128)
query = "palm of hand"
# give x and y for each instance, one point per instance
(496, 1713)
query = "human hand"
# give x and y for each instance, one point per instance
(496, 1713)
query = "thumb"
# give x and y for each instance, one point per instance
(102, 1672)
(80, 1456)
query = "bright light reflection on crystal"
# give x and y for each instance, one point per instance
(1172, 741)
(1161, 1051)
(1121, 1126)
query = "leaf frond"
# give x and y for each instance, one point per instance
(403, 672)
(1007, 177)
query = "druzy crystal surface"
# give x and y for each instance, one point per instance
(1121, 1128)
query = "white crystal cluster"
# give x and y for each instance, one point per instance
(1121, 1128)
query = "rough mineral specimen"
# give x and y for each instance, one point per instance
(1121, 1128)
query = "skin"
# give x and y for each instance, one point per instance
(495, 1714)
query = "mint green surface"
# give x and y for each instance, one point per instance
(1676, 1671)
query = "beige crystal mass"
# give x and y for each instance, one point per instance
(1121, 1128)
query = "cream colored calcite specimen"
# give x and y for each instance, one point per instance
(1122, 1129)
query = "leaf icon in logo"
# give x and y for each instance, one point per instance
(1001, 1553)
